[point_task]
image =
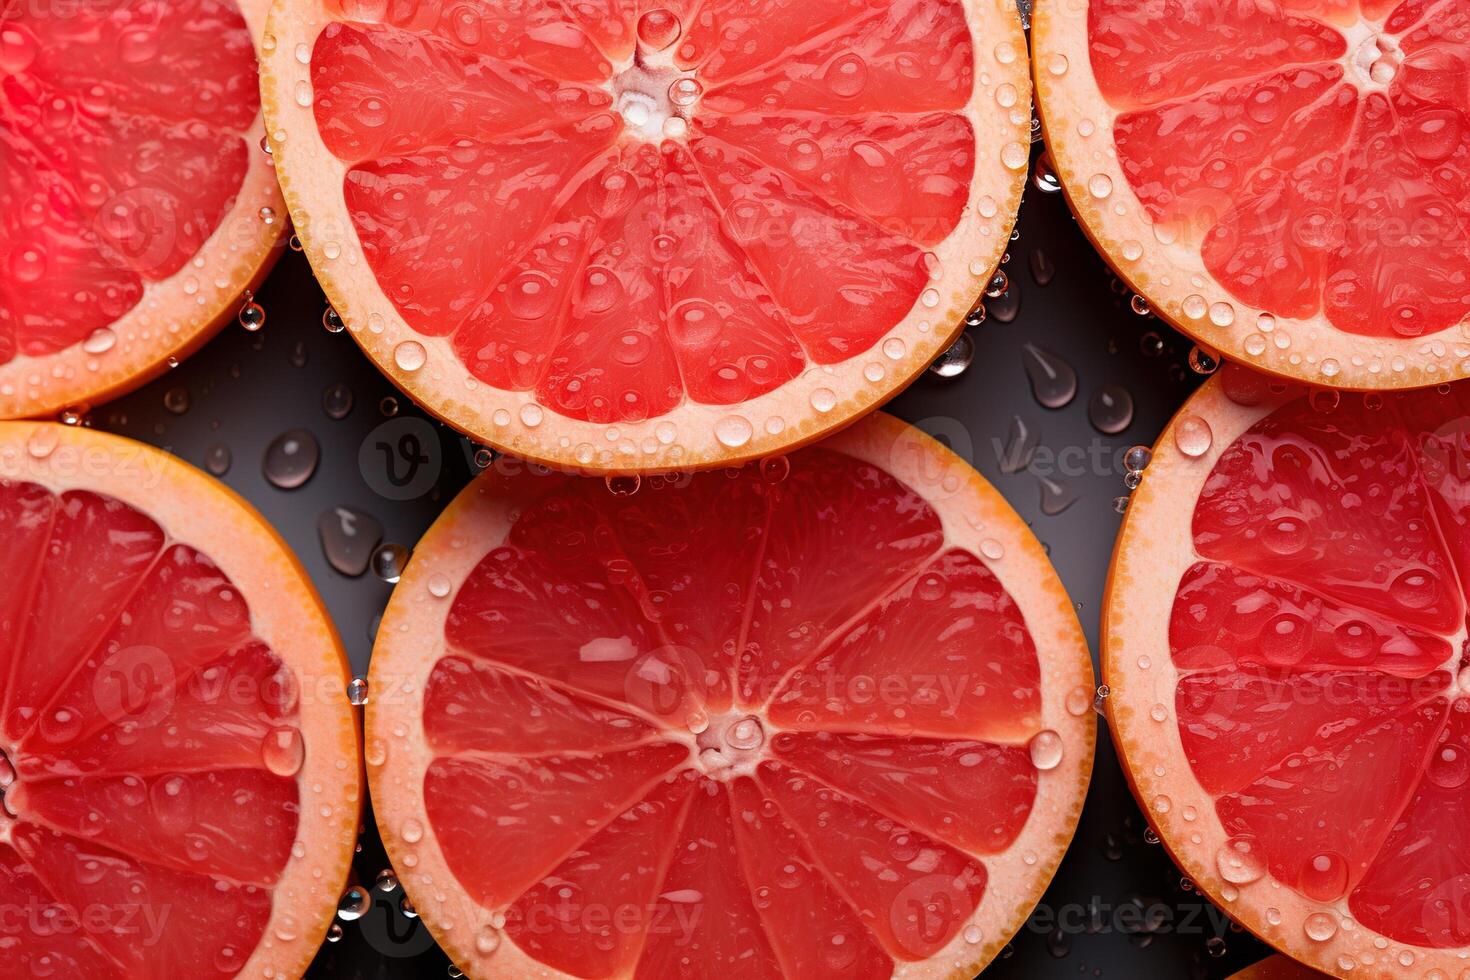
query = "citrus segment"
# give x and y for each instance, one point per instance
(623, 865)
(1285, 184)
(720, 229)
(138, 204)
(177, 747)
(718, 724)
(1285, 636)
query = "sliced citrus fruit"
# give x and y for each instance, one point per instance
(623, 236)
(1276, 968)
(137, 204)
(177, 755)
(826, 717)
(1287, 182)
(1286, 646)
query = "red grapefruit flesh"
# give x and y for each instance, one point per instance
(137, 203)
(621, 237)
(177, 755)
(827, 717)
(1288, 183)
(1285, 643)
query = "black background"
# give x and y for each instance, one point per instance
(1118, 907)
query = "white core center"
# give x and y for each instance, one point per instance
(655, 100)
(1373, 58)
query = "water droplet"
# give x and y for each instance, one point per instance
(1239, 862)
(659, 28)
(43, 440)
(357, 691)
(1020, 446)
(100, 341)
(389, 561)
(439, 585)
(283, 751)
(1324, 877)
(487, 941)
(410, 355)
(1111, 410)
(1043, 270)
(1007, 306)
(1202, 360)
(1449, 767)
(733, 431)
(1079, 700)
(1056, 495)
(847, 76)
(956, 360)
(348, 537)
(1100, 186)
(217, 459)
(176, 400)
(1015, 156)
(746, 734)
(1192, 436)
(353, 904)
(1320, 926)
(291, 458)
(337, 400)
(332, 320)
(623, 486)
(252, 316)
(334, 934)
(412, 831)
(684, 92)
(1136, 460)
(1414, 589)
(1053, 380)
(1046, 750)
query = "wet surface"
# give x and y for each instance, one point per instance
(1118, 907)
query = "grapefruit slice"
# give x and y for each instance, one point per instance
(177, 754)
(1276, 968)
(1288, 183)
(1285, 641)
(620, 237)
(825, 717)
(136, 202)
